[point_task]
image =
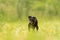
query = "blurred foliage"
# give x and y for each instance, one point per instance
(20, 9)
(14, 15)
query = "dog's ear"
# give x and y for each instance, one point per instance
(29, 16)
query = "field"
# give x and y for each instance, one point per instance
(48, 30)
(14, 19)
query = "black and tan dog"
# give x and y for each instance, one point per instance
(32, 23)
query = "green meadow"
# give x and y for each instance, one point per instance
(48, 30)
(14, 19)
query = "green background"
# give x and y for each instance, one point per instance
(14, 19)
